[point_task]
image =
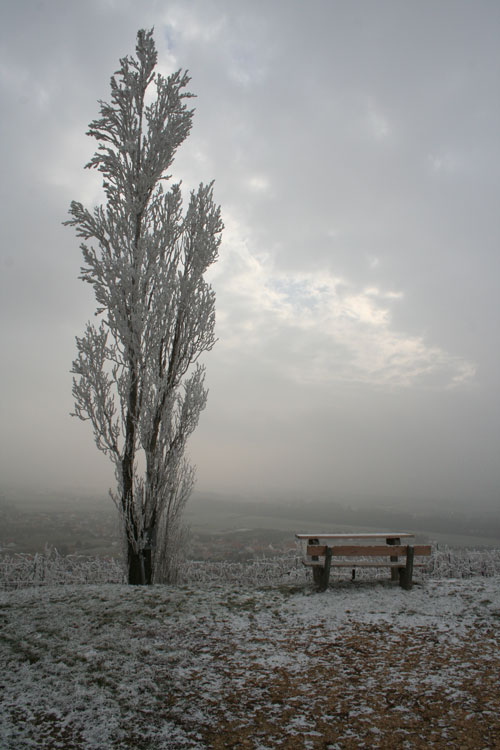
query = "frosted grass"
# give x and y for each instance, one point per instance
(50, 568)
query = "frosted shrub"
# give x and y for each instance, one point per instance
(266, 570)
(50, 568)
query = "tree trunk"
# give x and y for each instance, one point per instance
(135, 566)
(140, 566)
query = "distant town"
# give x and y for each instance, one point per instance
(221, 529)
(94, 531)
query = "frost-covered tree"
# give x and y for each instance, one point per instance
(137, 375)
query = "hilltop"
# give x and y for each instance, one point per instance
(364, 665)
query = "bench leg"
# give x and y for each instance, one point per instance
(325, 572)
(317, 571)
(317, 575)
(394, 558)
(406, 574)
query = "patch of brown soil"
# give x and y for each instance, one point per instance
(368, 686)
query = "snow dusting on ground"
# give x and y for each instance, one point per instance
(363, 665)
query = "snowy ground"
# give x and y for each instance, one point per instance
(363, 665)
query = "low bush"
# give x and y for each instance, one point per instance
(50, 568)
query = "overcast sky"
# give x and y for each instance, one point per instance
(355, 148)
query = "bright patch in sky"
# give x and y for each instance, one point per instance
(378, 124)
(340, 330)
(191, 26)
(258, 184)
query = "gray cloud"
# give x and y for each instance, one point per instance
(356, 156)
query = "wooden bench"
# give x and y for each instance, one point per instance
(324, 551)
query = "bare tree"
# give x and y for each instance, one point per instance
(137, 375)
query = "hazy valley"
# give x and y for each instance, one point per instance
(222, 527)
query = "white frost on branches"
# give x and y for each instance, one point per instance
(137, 375)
